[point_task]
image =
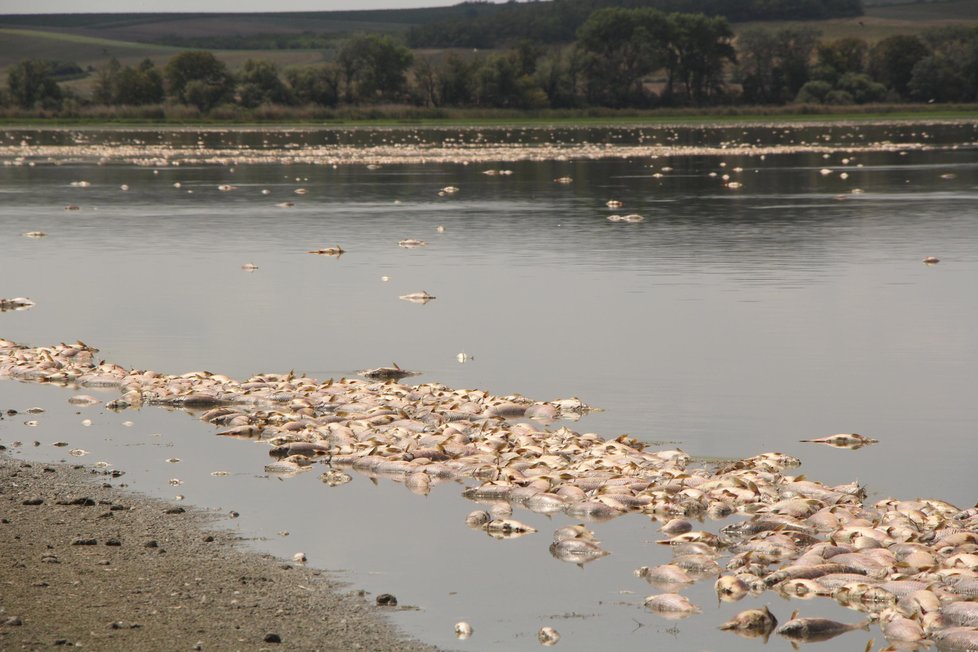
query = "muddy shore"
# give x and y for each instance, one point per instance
(87, 564)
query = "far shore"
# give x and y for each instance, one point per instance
(395, 116)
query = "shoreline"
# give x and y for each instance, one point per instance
(91, 564)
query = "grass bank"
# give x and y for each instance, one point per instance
(380, 116)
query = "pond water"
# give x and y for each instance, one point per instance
(737, 318)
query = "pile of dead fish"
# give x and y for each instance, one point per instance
(910, 565)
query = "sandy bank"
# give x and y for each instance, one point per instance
(87, 564)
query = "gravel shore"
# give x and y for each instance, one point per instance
(86, 564)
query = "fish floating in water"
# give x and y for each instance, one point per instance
(850, 440)
(931, 260)
(752, 623)
(394, 372)
(17, 303)
(411, 243)
(816, 629)
(328, 251)
(418, 297)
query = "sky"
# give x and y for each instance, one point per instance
(152, 6)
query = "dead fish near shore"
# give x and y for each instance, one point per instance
(411, 243)
(328, 251)
(752, 623)
(249, 267)
(35, 234)
(577, 551)
(417, 297)
(852, 441)
(548, 636)
(393, 372)
(816, 629)
(17, 303)
(931, 260)
(507, 528)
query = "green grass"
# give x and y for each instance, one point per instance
(393, 116)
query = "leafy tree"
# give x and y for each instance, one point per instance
(836, 58)
(30, 84)
(861, 88)
(198, 78)
(774, 65)
(259, 83)
(315, 84)
(698, 47)
(142, 84)
(373, 67)
(455, 79)
(891, 61)
(950, 73)
(558, 75)
(621, 47)
(813, 92)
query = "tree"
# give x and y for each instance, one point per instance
(31, 84)
(373, 68)
(836, 58)
(698, 48)
(198, 78)
(259, 83)
(774, 65)
(455, 80)
(891, 61)
(315, 84)
(622, 46)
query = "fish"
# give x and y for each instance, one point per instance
(752, 622)
(328, 251)
(393, 372)
(417, 297)
(411, 243)
(577, 551)
(671, 605)
(816, 629)
(851, 441)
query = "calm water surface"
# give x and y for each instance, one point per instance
(729, 323)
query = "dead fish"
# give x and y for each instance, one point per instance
(507, 528)
(328, 251)
(671, 605)
(478, 519)
(17, 303)
(816, 629)
(411, 243)
(249, 267)
(35, 234)
(577, 551)
(665, 574)
(563, 180)
(463, 630)
(851, 441)
(83, 400)
(759, 621)
(931, 260)
(417, 297)
(548, 636)
(731, 588)
(578, 531)
(956, 638)
(335, 477)
(393, 372)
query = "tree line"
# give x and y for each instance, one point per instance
(622, 58)
(558, 21)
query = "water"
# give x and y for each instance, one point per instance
(732, 321)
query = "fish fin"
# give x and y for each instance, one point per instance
(869, 645)
(794, 614)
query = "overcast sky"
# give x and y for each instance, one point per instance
(131, 6)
